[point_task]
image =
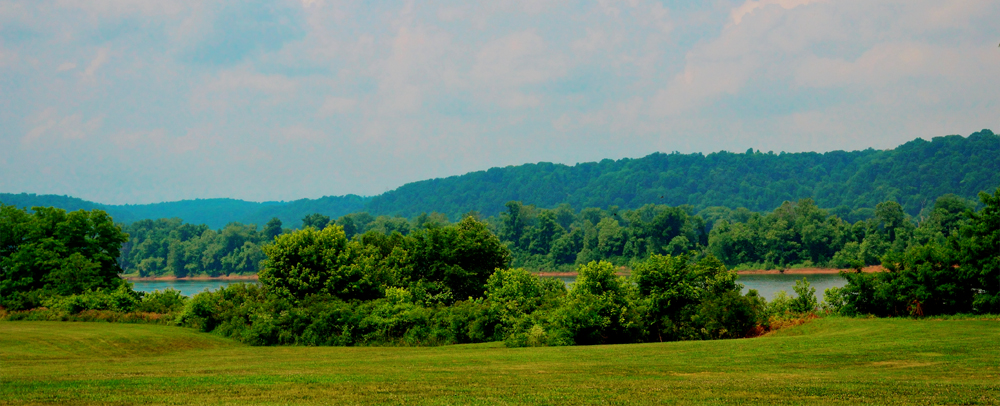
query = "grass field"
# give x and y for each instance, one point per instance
(827, 361)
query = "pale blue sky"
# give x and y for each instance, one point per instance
(136, 101)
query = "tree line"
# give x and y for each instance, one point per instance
(796, 234)
(453, 283)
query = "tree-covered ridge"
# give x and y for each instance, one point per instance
(913, 174)
(214, 213)
(68, 203)
(291, 213)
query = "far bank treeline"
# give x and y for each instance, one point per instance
(798, 234)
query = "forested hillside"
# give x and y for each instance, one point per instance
(67, 203)
(914, 174)
(214, 213)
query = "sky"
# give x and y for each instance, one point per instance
(136, 101)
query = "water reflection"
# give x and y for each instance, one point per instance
(769, 284)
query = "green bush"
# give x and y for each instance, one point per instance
(165, 301)
(599, 308)
(123, 300)
(805, 297)
(684, 300)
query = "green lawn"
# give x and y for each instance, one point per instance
(827, 361)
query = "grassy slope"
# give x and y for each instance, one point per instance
(828, 361)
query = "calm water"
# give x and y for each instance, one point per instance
(187, 288)
(767, 285)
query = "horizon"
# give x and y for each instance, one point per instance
(131, 102)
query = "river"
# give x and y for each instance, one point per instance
(766, 284)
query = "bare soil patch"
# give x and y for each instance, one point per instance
(809, 271)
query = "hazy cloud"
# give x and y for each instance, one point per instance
(137, 101)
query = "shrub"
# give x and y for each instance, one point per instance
(165, 301)
(122, 299)
(805, 297)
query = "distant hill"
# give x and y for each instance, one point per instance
(68, 203)
(913, 174)
(215, 213)
(291, 213)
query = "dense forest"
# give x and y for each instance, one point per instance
(913, 175)
(452, 283)
(795, 234)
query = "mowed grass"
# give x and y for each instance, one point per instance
(827, 361)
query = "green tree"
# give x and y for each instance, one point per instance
(682, 299)
(545, 233)
(309, 262)
(598, 309)
(805, 297)
(457, 259)
(513, 222)
(349, 225)
(315, 220)
(272, 229)
(978, 251)
(50, 251)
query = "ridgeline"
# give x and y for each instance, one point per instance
(913, 174)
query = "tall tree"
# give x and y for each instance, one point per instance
(315, 220)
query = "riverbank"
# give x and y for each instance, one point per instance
(809, 271)
(622, 272)
(793, 271)
(191, 278)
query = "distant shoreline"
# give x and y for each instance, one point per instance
(794, 271)
(809, 271)
(191, 278)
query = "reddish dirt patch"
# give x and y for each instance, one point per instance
(809, 271)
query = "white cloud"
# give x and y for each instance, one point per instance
(7, 57)
(886, 64)
(471, 85)
(503, 66)
(241, 87)
(124, 8)
(748, 7)
(140, 139)
(416, 62)
(337, 105)
(299, 133)
(99, 60)
(47, 127)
